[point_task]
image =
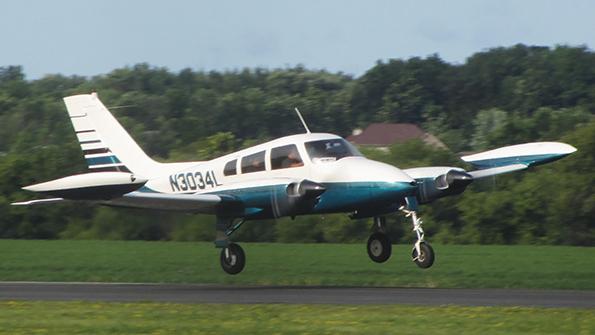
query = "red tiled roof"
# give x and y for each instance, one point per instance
(385, 134)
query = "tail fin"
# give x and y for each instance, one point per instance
(106, 145)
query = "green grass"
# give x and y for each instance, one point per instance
(159, 318)
(545, 267)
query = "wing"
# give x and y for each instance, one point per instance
(498, 161)
(476, 174)
(194, 203)
(516, 157)
(439, 181)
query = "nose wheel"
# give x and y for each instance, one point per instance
(425, 257)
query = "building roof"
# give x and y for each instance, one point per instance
(384, 134)
(387, 134)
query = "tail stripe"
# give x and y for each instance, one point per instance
(89, 142)
(103, 160)
(88, 152)
(85, 131)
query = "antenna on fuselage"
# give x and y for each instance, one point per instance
(302, 119)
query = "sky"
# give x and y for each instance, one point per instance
(80, 37)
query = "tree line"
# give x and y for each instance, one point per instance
(497, 97)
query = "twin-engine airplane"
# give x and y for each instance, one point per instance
(301, 174)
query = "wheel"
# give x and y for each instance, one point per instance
(426, 258)
(379, 247)
(233, 259)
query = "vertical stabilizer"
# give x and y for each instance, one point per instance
(105, 144)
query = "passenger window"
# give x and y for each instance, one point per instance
(285, 157)
(230, 168)
(253, 163)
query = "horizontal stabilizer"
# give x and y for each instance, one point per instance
(38, 202)
(90, 186)
(528, 154)
(497, 170)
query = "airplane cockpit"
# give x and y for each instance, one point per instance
(291, 156)
(330, 150)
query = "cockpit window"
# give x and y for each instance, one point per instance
(333, 149)
(285, 157)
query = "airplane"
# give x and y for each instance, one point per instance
(301, 174)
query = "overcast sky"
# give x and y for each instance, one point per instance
(94, 37)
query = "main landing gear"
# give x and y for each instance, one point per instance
(232, 258)
(379, 245)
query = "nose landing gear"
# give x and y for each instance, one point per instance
(422, 253)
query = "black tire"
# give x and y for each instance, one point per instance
(426, 259)
(236, 261)
(379, 247)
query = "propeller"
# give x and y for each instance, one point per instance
(305, 189)
(299, 197)
(453, 179)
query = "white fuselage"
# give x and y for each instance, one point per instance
(353, 181)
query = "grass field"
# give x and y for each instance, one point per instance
(153, 318)
(297, 264)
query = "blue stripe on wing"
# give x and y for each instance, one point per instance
(529, 160)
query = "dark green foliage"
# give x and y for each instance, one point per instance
(497, 97)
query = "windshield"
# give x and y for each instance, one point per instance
(333, 149)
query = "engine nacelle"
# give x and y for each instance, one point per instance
(298, 198)
(450, 183)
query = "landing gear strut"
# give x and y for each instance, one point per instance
(422, 253)
(379, 245)
(232, 258)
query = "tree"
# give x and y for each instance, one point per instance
(500, 96)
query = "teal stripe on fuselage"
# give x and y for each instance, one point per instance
(344, 197)
(338, 197)
(529, 160)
